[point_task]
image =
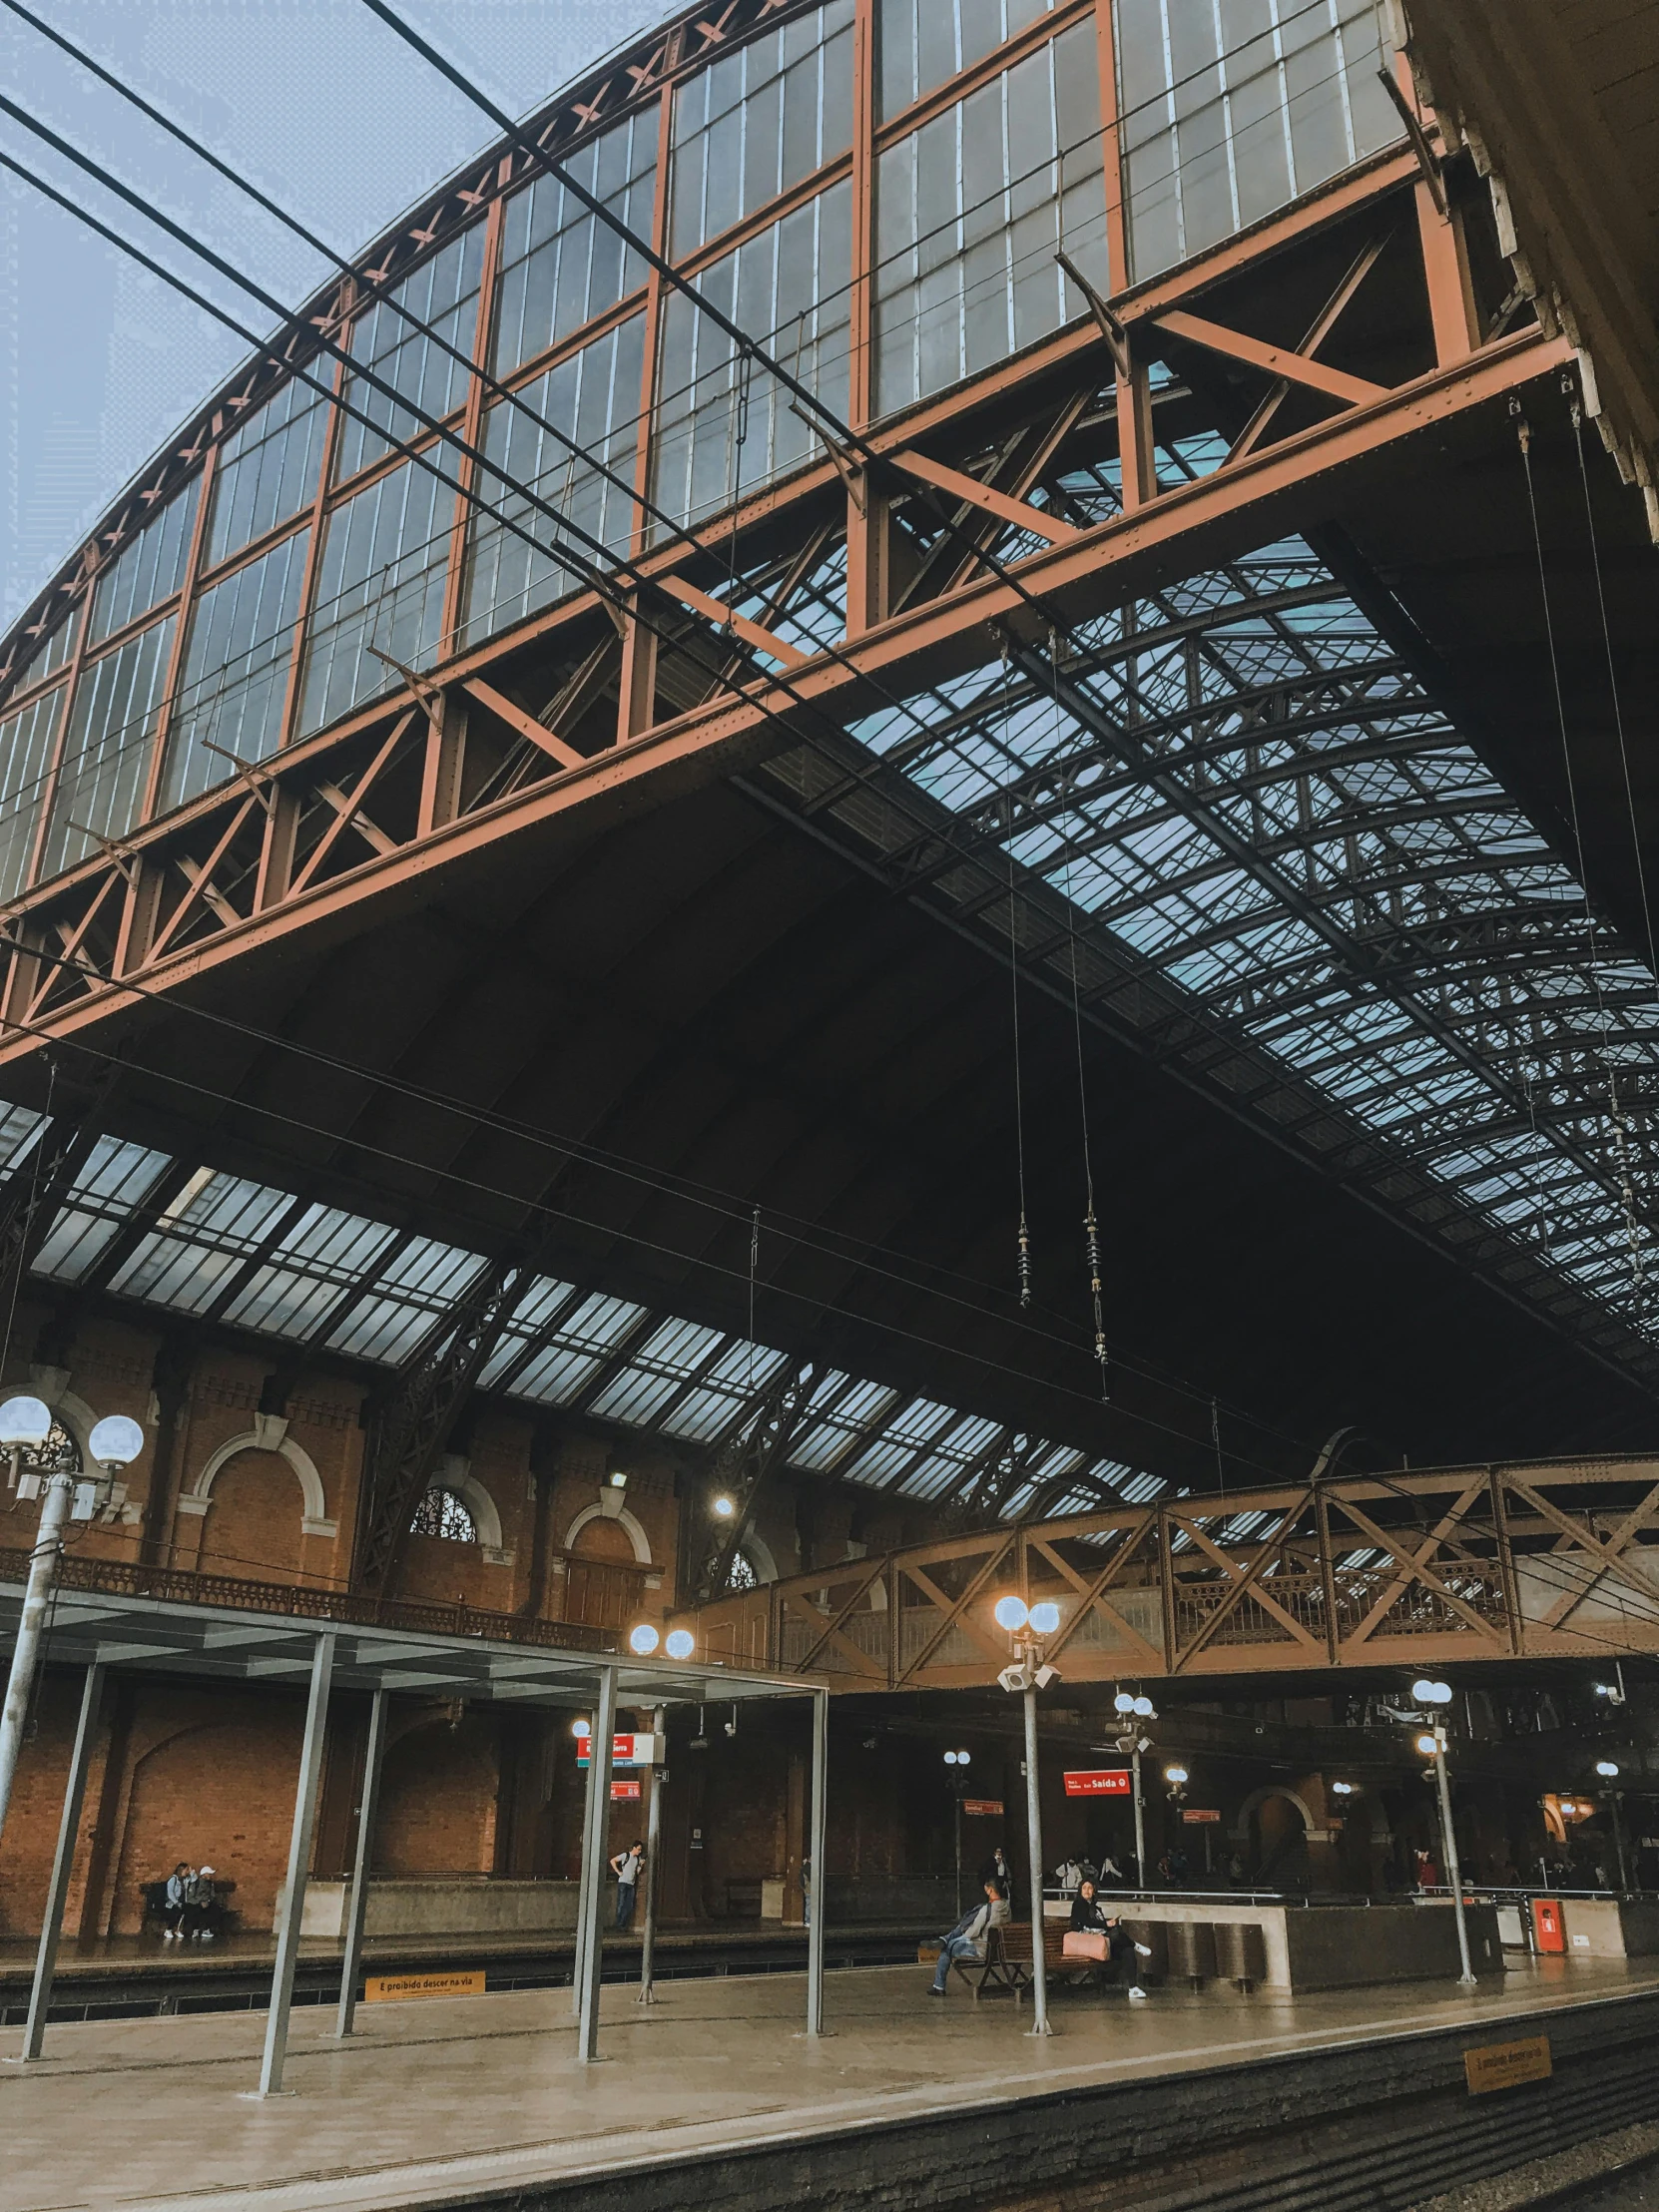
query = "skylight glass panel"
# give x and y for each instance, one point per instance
(658, 1370)
(214, 1225)
(951, 1454)
(115, 1181)
(741, 1373)
(854, 1414)
(422, 1283)
(915, 1425)
(19, 1127)
(577, 1349)
(324, 1255)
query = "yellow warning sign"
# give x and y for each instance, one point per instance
(1501, 2065)
(387, 1988)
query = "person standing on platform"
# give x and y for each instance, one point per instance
(626, 1867)
(1068, 1876)
(997, 1869)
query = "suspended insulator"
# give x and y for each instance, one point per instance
(1024, 1263)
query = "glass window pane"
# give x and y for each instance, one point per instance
(725, 427)
(269, 470)
(380, 590)
(236, 671)
(1216, 139)
(115, 1180)
(153, 567)
(759, 121)
(560, 266)
(442, 293)
(106, 758)
(594, 397)
(26, 742)
(213, 1227)
(925, 41)
(972, 209)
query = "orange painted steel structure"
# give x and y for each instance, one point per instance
(337, 828)
(1549, 1560)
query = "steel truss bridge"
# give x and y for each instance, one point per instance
(1472, 1565)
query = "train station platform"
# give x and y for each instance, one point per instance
(712, 2097)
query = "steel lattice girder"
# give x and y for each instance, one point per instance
(1514, 1563)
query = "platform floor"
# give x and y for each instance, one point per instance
(442, 2096)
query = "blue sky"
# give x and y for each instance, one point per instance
(316, 101)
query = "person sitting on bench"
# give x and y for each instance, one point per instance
(967, 1939)
(1088, 1915)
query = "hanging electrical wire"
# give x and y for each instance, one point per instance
(1620, 1147)
(1023, 1261)
(1091, 1225)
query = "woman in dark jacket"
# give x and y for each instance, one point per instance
(1121, 1947)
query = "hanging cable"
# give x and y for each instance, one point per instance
(1024, 1242)
(1091, 1227)
(1621, 1149)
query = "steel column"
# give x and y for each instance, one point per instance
(359, 1905)
(813, 1884)
(57, 1495)
(1034, 1845)
(1448, 1841)
(653, 1841)
(1140, 1819)
(595, 1833)
(63, 1862)
(300, 1861)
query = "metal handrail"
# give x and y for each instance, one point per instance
(186, 1586)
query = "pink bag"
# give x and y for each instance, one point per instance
(1085, 1943)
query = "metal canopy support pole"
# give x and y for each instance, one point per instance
(300, 1861)
(51, 1927)
(1034, 1845)
(816, 1887)
(589, 1959)
(357, 1909)
(1454, 1874)
(31, 1629)
(653, 1841)
(1140, 1819)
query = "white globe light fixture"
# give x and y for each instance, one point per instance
(723, 1508)
(951, 1758)
(680, 1643)
(1607, 1768)
(116, 1441)
(1428, 1745)
(1142, 1708)
(1011, 1613)
(24, 1421)
(1123, 1702)
(1045, 1618)
(1432, 1692)
(643, 1639)
(581, 1730)
(1342, 1789)
(965, 1758)
(1177, 1775)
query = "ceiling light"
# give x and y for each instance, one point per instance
(1045, 1618)
(1011, 1612)
(680, 1643)
(643, 1639)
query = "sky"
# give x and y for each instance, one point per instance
(317, 101)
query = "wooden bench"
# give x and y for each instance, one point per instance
(1059, 1969)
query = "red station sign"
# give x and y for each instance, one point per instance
(623, 1792)
(1098, 1782)
(982, 1807)
(626, 1751)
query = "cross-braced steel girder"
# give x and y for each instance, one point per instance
(1493, 1565)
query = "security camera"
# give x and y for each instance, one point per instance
(1012, 1677)
(1046, 1675)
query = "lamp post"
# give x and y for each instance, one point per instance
(1609, 1772)
(958, 1761)
(25, 1424)
(1432, 1743)
(1026, 1628)
(1133, 1709)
